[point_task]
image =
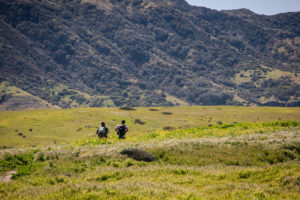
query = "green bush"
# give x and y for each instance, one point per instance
(10, 162)
(282, 123)
(138, 154)
(244, 174)
(293, 147)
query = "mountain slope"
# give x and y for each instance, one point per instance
(148, 53)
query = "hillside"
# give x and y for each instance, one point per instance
(146, 53)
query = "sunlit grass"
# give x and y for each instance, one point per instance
(236, 167)
(51, 127)
(224, 130)
(202, 153)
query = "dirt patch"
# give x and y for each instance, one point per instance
(7, 177)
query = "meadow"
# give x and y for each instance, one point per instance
(217, 152)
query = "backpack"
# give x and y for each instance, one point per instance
(122, 130)
(102, 132)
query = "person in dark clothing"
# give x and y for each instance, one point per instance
(122, 129)
(102, 131)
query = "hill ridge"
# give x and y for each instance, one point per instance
(126, 50)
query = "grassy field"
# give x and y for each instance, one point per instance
(204, 153)
(46, 127)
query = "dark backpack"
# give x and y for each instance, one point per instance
(122, 130)
(102, 132)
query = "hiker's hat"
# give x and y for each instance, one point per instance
(123, 121)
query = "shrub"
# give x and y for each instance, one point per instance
(5, 147)
(24, 170)
(293, 147)
(167, 113)
(152, 109)
(152, 135)
(244, 175)
(107, 176)
(290, 181)
(23, 163)
(127, 108)
(39, 157)
(168, 128)
(138, 154)
(180, 172)
(12, 161)
(138, 121)
(224, 126)
(289, 155)
(282, 123)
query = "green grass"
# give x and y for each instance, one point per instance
(12, 91)
(224, 130)
(253, 154)
(204, 168)
(6, 88)
(67, 126)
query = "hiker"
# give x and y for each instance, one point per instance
(121, 130)
(102, 131)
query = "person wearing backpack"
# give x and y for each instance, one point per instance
(121, 130)
(102, 131)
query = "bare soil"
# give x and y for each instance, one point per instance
(7, 177)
